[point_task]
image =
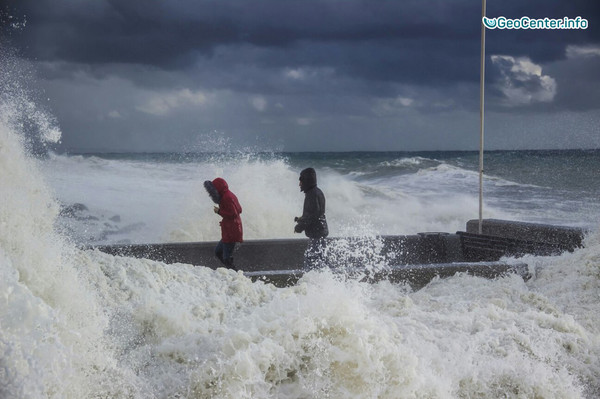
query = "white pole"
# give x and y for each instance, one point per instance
(481, 92)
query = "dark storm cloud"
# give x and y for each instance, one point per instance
(297, 69)
(542, 45)
(379, 40)
(579, 94)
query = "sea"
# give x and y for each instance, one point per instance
(79, 323)
(130, 198)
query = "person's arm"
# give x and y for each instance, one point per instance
(227, 209)
(310, 212)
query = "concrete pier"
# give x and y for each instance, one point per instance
(415, 259)
(508, 238)
(288, 254)
(562, 237)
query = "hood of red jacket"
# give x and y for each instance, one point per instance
(221, 185)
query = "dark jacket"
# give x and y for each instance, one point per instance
(312, 221)
(230, 209)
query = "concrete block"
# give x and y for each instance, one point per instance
(564, 238)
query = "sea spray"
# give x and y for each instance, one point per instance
(266, 189)
(84, 324)
(195, 332)
(152, 198)
(51, 328)
(29, 255)
(570, 285)
(157, 330)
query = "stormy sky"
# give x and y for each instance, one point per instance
(308, 75)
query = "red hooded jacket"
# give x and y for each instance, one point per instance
(230, 209)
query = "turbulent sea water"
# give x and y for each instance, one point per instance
(78, 323)
(141, 198)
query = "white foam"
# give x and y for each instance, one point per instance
(79, 324)
(84, 324)
(162, 201)
(199, 332)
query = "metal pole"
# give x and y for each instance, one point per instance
(481, 92)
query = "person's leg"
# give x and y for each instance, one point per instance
(219, 251)
(228, 249)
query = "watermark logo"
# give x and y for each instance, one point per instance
(535, 23)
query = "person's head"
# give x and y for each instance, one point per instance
(216, 188)
(308, 179)
(220, 184)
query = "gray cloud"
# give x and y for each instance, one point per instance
(313, 74)
(523, 82)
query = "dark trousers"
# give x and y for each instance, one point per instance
(224, 251)
(314, 256)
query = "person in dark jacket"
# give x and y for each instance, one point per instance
(313, 221)
(231, 225)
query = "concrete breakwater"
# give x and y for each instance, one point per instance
(415, 259)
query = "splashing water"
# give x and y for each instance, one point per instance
(83, 324)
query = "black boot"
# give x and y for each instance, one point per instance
(229, 264)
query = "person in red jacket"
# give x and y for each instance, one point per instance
(231, 225)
